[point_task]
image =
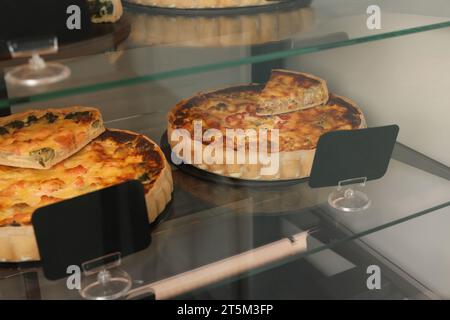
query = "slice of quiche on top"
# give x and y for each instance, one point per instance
(104, 11)
(288, 91)
(41, 138)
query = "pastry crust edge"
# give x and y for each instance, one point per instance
(201, 4)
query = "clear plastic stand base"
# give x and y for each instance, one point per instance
(349, 199)
(37, 72)
(104, 280)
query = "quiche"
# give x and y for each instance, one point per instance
(105, 11)
(235, 108)
(248, 28)
(288, 91)
(41, 138)
(203, 4)
(113, 157)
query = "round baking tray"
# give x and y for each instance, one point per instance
(162, 216)
(283, 5)
(212, 177)
(17, 268)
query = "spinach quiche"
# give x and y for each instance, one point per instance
(115, 156)
(237, 108)
(41, 138)
(104, 11)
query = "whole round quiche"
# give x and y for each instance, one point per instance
(113, 157)
(236, 110)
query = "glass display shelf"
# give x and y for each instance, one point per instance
(169, 57)
(208, 221)
(340, 272)
(162, 46)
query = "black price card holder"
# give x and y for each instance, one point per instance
(92, 232)
(350, 157)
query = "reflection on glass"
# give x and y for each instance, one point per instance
(221, 30)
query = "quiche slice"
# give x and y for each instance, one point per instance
(288, 91)
(41, 138)
(115, 156)
(104, 11)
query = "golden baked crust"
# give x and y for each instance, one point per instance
(235, 108)
(114, 157)
(41, 138)
(222, 31)
(202, 4)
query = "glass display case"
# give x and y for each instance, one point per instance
(228, 238)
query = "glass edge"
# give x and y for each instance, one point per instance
(6, 103)
(319, 248)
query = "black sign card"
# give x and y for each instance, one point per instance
(90, 226)
(349, 154)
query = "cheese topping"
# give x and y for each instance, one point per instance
(236, 108)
